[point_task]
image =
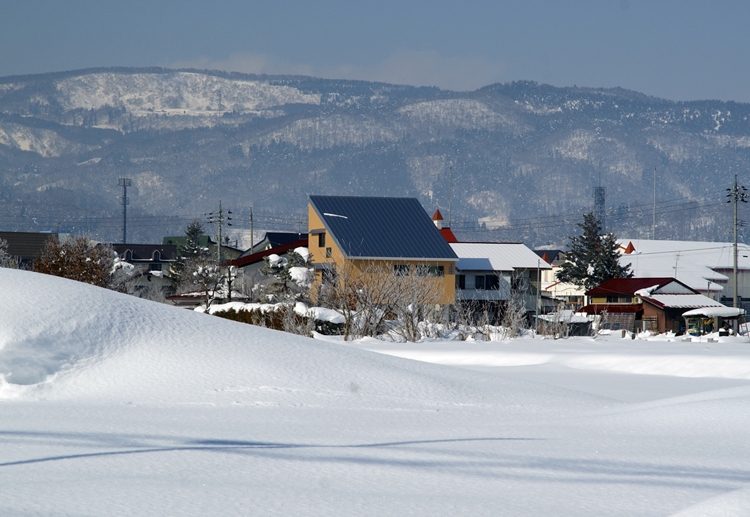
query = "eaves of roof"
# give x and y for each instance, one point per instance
(258, 257)
(598, 308)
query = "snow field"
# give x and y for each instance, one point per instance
(112, 405)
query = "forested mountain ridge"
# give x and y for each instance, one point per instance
(520, 157)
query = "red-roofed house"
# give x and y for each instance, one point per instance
(655, 303)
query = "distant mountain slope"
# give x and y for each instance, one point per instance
(519, 157)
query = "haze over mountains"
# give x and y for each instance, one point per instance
(512, 161)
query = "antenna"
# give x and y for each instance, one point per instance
(653, 213)
(600, 195)
(450, 196)
(124, 183)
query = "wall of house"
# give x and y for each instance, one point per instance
(471, 292)
(651, 312)
(743, 283)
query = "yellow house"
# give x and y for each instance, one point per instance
(363, 234)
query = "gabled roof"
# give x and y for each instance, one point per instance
(258, 257)
(272, 240)
(552, 255)
(26, 245)
(494, 256)
(381, 227)
(146, 251)
(698, 264)
(630, 285)
(448, 235)
(681, 301)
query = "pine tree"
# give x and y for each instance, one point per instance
(280, 270)
(593, 257)
(6, 260)
(188, 252)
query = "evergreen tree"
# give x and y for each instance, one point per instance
(279, 268)
(188, 252)
(193, 234)
(593, 257)
(6, 260)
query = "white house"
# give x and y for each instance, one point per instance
(488, 271)
(706, 267)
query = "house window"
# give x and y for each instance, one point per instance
(479, 282)
(492, 282)
(321, 240)
(401, 269)
(427, 270)
(460, 281)
(619, 299)
(154, 267)
(329, 253)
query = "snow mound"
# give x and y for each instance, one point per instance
(67, 340)
(732, 504)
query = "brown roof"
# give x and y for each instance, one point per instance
(146, 251)
(630, 285)
(257, 257)
(26, 245)
(598, 308)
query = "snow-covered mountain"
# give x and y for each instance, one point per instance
(519, 157)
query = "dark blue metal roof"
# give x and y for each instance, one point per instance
(381, 227)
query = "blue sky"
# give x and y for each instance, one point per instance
(675, 49)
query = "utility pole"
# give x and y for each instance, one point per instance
(450, 197)
(538, 291)
(252, 239)
(653, 212)
(736, 194)
(219, 218)
(124, 183)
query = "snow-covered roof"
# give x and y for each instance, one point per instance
(682, 301)
(694, 263)
(565, 316)
(490, 256)
(712, 312)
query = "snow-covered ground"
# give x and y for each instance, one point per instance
(112, 405)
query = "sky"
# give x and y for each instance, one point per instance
(674, 49)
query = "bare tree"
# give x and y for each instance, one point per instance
(514, 318)
(77, 259)
(377, 298)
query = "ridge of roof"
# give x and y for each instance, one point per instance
(631, 285)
